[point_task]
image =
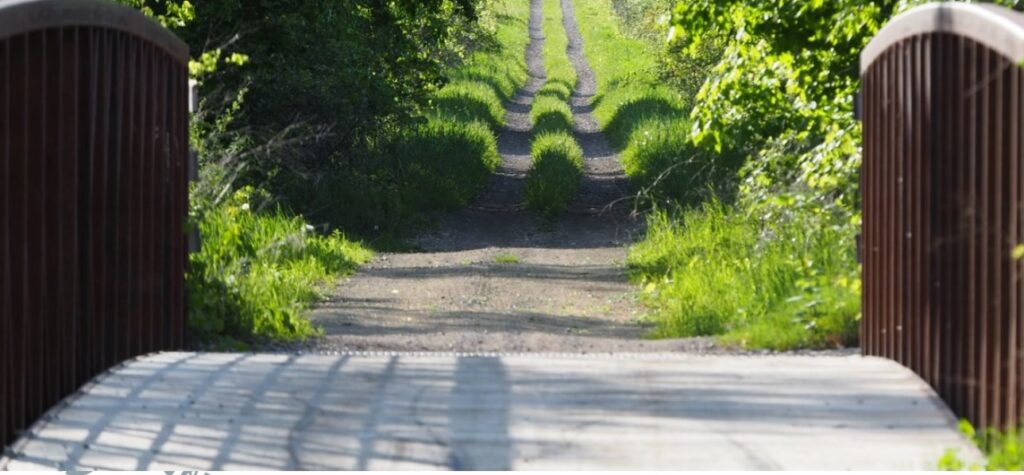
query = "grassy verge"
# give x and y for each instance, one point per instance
(1004, 451)
(779, 274)
(768, 281)
(645, 120)
(257, 273)
(557, 159)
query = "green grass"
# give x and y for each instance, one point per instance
(491, 75)
(257, 273)
(557, 158)
(1004, 451)
(405, 175)
(778, 282)
(551, 115)
(506, 259)
(555, 175)
(444, 164)
(645, 120)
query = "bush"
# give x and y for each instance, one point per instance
(555, 175)
(257, 272)
(779, 278)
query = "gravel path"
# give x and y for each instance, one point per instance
(567, 291)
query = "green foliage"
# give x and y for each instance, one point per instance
(782, 92)
(257, 272)
(1004, 451)
(555, 175)
(436, 163)
(780, 277)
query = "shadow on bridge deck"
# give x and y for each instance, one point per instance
(529, 411)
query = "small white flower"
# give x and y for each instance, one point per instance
(245, 206)
(309, 227)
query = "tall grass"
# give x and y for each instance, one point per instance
(257, 272)
(557, 167)
(773, 279)
(778, 275)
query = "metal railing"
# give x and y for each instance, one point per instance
(93, 197)
(942, 189)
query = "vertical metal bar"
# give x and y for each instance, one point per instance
(51, 287)
(163, 203)
(121, 284)
(997, 250)
(180, 193)
(868, 298)
(68, 190)
(918, 315)
(1013, 237)
(19, 236)
(145, 189)
(132, 137)
(926, 174)
(982, 233)
(33, 207)
(150, 202)
(7, 381)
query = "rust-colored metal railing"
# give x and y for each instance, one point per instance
(942, 187)
(93, 149)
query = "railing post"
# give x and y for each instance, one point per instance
(942, 196)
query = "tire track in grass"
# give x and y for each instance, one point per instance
(604, 181)
(505, 190)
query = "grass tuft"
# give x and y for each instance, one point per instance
(555, 175)
(506, 259)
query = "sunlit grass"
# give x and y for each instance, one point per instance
(557, 167)
(779, 282)
(555, 176)
(257, 272)
(506, 259)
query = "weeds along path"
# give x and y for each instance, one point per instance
(497, 277)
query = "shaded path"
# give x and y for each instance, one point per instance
(177, 411)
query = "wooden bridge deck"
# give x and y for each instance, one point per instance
(527, 411)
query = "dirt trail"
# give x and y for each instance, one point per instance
(568, 290)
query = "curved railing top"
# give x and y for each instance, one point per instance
(23, 16)
(996, 27)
